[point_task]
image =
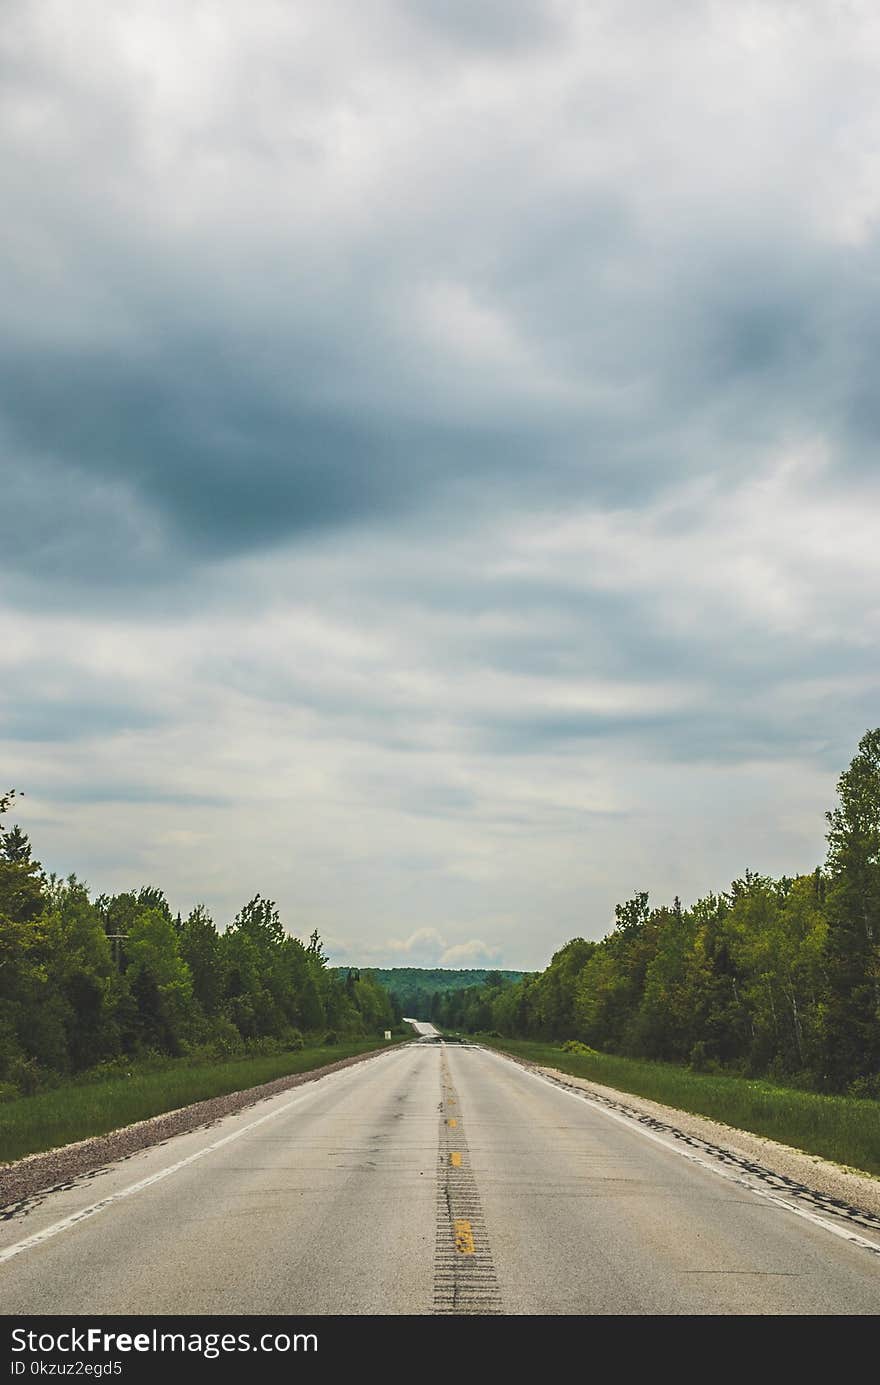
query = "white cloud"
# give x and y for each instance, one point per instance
(475, 953)
(439, 482)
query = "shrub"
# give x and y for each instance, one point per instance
(267, 1046)
(25, 1075)
(111, 1067)
(225, 1041)
(700, 1060)
(866, 1088)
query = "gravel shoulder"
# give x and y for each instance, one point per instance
(38, 1173)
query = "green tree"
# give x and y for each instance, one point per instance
(155, 961)
(310, 1007)
(777, 932)
(611, 983)
(21, 886)
(16, 846)
(851, 1012)
(31, 1027)
(556, 988)
(199, 944)
(667, 1010)
(260, 921)
(242, 991)
(81, 972)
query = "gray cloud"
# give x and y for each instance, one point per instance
(492, 27)
(65, 719)
(436, 447)
(557, 331)
(137, 792)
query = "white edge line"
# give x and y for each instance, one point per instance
(632, 1123)
(85, 1212)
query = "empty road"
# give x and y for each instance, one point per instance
(431, 1179)
(424, 1028)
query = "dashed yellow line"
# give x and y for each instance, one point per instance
(464, 1236)
(455, 1159)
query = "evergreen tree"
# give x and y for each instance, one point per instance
(16, 848)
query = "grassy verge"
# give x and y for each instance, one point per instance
(76, 1111)
(843, 1129)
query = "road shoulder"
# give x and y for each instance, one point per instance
(828, 1180)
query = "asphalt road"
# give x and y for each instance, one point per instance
(424, 1027)
(431, 1179)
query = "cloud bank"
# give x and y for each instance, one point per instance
(438, 453)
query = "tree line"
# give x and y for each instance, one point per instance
(86, 981)
(771, 977)
(415, 990)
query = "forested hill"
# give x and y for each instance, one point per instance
(414, 988)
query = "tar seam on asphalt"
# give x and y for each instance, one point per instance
(464, 1276)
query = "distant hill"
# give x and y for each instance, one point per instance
(413, 988)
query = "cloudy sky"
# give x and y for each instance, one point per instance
(439, 452)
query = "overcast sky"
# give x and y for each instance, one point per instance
(440, 476)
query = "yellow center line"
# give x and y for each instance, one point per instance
(452, 1122)
(455, 1159)
(464, 1236)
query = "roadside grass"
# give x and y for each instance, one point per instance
(843, 1129)
(78, 1110)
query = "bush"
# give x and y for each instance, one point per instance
(113, 1067)
(865, 1088)
(700, 1060)
(575, 1046)
(267, 1046)
(25, 1075)
(224, 1040)
(330, 1038)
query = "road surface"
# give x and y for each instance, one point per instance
(430, 1179)
(424, 1029)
